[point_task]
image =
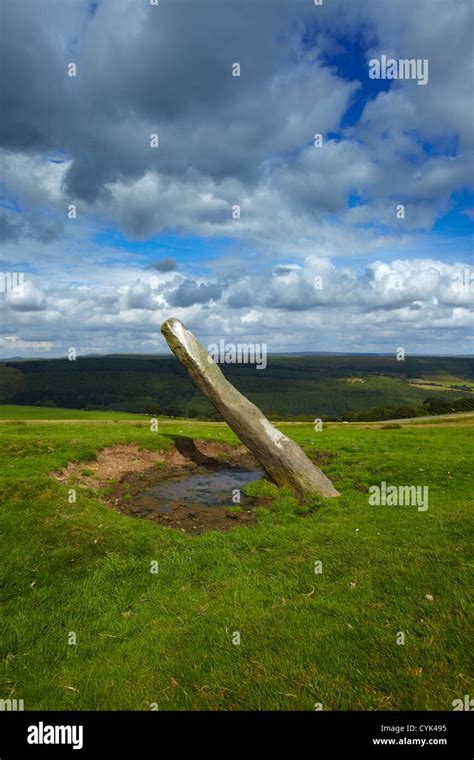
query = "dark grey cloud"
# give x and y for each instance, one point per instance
(164, 265)
(10, 225)
(226, 140)
(281, 270)
(140, 69)
(16, 226)
(190, 292)
(166, 69)
(241, 299)
(43, 229)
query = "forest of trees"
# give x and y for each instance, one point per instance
(291, 387)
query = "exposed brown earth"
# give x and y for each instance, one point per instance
(120, 473)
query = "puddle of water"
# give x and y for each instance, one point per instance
(212, 489)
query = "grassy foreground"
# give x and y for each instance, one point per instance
(166, 639)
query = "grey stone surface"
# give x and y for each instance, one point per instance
(283, 460)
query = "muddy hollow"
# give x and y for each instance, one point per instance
(195, 486)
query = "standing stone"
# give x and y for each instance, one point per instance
(283, 460)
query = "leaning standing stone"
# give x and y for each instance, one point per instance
(283, 460)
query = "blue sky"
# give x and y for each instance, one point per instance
(155, 233)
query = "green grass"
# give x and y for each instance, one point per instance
(17, 412)
(166, 638)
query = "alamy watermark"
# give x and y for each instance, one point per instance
(49, 734)
(12, 705)
(240, 353)
(463, 282)
(12, 282)
(401, 68)
(463, 704)
(399, 496)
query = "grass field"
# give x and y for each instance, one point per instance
(12, 412)
(306, 638)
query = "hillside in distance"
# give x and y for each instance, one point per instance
(291, 387)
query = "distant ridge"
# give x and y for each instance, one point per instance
(270, 353)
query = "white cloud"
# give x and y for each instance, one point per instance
(227, 141)
(313, 306)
